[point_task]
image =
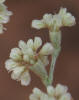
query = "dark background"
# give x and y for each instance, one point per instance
(19, 28)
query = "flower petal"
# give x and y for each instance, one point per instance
(30, 43)
(37, 91)
(66, 96)
(50, 90)
(47, 18)
(38, 24)
(25, 78)
(37, 42)
(47, 49)
(60, 90)
(30, 52)
(17, 73)
(23, 46)
(33, 97)
(16, 54)
(10, 64)
(26, 58)
(67, 18)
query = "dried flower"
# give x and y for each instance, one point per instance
(58, 93)
(28, 56)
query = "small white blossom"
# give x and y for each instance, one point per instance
(51, 93)
(28, 56)
(4, 15)
(16, 54)
(59, 90)
(66, 96)
(54, 22)
(67, 18)
(46, 49)
(38, 24)
(51, 90)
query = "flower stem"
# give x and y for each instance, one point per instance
(55, 38)
(52, 67)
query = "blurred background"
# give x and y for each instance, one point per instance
(19, 28)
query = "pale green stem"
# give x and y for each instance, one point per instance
(52, 67)
(55, 38)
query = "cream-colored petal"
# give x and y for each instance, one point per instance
(37, 91)
(44, 97)
(38, 24)
(25, 49)
(23, 46)
(33, 97)
(66, 96)
(10, 64)
(60, 90)
(51, 91)
(26, 58)
(47, 49)
(30, 52)
(47, 18)
(56, 22)
(67, 18)
(16, 54)
(4, 19)
(37, 42)
(3, 9)
(25, 78)
(30, 43)
(17, 73)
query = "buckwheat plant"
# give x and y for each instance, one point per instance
(33, 56)
(4, 15)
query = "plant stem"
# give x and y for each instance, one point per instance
(52, 67)
(55, 38)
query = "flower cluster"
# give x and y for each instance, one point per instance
(58, 93)
(4, 15)
(54, 22)
(30, 55)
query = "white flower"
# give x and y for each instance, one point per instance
(66, 96)
(51, 93)
(46, 49)
(67, 18)
(38, 24)
(25, 78)
(28, 56)
(54, 22)
(59, 90)
(16, 54)
(4, 15)
(51, 90)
